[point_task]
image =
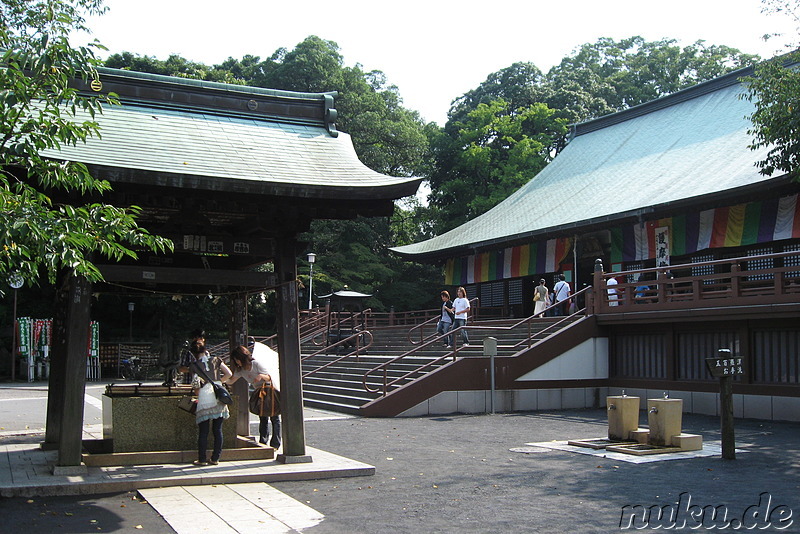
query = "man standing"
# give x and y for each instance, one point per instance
(446, 320)
(561, 295)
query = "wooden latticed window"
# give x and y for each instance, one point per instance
(791, 261)
(761, 263)
(515, 291)
(701, 270)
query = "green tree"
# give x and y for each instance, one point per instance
(39, 111)
(498, 149)
(354, 253)
(474, 166)
(775, 90)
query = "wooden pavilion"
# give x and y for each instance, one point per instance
(232, 175)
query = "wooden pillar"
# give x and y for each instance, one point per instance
(599, 301)
(70, 336)
(237, 335)
(294, 440)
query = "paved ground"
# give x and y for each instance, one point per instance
(459, 474)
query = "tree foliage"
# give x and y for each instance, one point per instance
(775, 90)
(476, 164)
(39, 109)
(496, 151)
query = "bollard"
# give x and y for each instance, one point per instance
(490, 349)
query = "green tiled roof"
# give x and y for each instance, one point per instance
(176, 143)
(675, 149)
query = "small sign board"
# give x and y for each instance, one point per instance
(729, 366)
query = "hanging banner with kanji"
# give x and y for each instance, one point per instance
(662, 246)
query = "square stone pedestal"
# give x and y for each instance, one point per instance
(155, 423)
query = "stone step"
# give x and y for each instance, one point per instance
(339, 387)
(334, 397)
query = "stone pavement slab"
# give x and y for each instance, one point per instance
(713, 448)
(235, 509)
(26, 470)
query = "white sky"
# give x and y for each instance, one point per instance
(434, 50)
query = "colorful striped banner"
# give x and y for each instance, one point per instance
(729, 226)
(511, 262)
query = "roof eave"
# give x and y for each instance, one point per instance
(392, 191)
(773, 186)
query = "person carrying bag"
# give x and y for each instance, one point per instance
(212, 401)
(265, 399)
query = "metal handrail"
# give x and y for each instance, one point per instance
(384, 366)
(337, 323)
(356, 352)
(422, 337)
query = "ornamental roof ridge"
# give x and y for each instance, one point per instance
(199, 96)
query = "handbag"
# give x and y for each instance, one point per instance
(537, 296)
(265, 401)
(219, 391)
(187, 403)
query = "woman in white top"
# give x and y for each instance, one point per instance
(210, 411)
(254, 371)
(461, 307)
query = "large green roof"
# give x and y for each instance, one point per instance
(200, 135)
(677, 149)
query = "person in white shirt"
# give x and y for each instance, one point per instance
(254, 371)
(561, 295)
(613, 297)
(461, 307)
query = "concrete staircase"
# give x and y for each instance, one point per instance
(340, 386)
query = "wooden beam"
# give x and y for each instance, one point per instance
(133, 274)
(294, 440)
(237, 335)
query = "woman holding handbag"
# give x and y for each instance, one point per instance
(254, 371)
(540, 294)
(211, 412)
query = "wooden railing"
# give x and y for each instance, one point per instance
(729, 283)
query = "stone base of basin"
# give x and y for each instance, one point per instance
(641, 449)
(688, 442)
(98, 454)
(598, 443)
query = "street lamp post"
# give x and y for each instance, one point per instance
(311, 259)
(15, 281)
(130, 330)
